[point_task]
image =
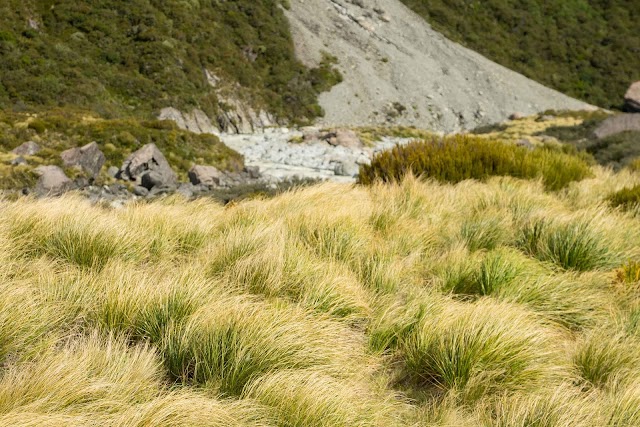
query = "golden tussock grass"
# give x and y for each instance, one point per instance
(412, 304)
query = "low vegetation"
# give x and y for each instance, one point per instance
(459, 158)
(585, 49)
(493, 303)
(58, 130)
(131, 58)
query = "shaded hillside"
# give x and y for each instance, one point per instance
(119, 57)
(589, 49)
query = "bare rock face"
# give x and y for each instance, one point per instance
(632, 98)
(148, 167)
(29, 148)
(89, 158)
(205, 175)
(397, 70)
(52, 181)
(196, 121)
(617, 124)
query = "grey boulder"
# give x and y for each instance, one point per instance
(347, 168)
(618, 124)
(632, 98)
(88, 158)
(52, 181)
(205, 175)
(29, 148)
(140, 165)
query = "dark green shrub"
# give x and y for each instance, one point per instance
(128, 58)
(587, 49)
(463, 157)
(627, 198)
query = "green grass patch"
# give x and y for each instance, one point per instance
(460, 158)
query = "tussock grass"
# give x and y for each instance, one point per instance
(573, 244)
(231, 341)
(481, 349)
(490, 303)
(302, 398)
(603, 358)
(563, 407)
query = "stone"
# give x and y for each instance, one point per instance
(152, 179)
(186, 190)
(197, 121)
(148, 159)
(516, 116)
(346, 168)
(253, 171)
(88, 158)
(617, 124)
(206, 175)
(113, 171)
(18, 161)
(344, 138)
(29, 148)
(52, 181)
(632, 98)
(140, 191)
(545, 118)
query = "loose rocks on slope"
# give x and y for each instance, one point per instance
(398, 71)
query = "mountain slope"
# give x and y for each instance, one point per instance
(585, 48)
(398, 70)
(121, 58)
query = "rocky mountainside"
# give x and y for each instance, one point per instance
(398, 70)
(584, 48)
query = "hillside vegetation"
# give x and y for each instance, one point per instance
(587, 49)
(58, 130)
(123, 58)
(414, 303)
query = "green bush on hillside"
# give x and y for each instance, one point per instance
(122, 58)
(586, 49)
(463, 157)
(58, 130)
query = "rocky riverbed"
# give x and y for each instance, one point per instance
(308, 153)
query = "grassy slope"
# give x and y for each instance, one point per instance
(58, 130)
(122, 58)
(587, 49)
(494, 304)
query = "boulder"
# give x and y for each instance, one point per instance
(18, 161)
(347, 168)
(88, 158)
(151, 179)
(206, 175)
(253, 171)
(632, 98)
(343, 137)
(148, 159)
(140, 191)
(52, 181)
(29, 148)
(113, 171)
(618, 124)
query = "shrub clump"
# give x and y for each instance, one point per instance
(463, 157)
(627, 198)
